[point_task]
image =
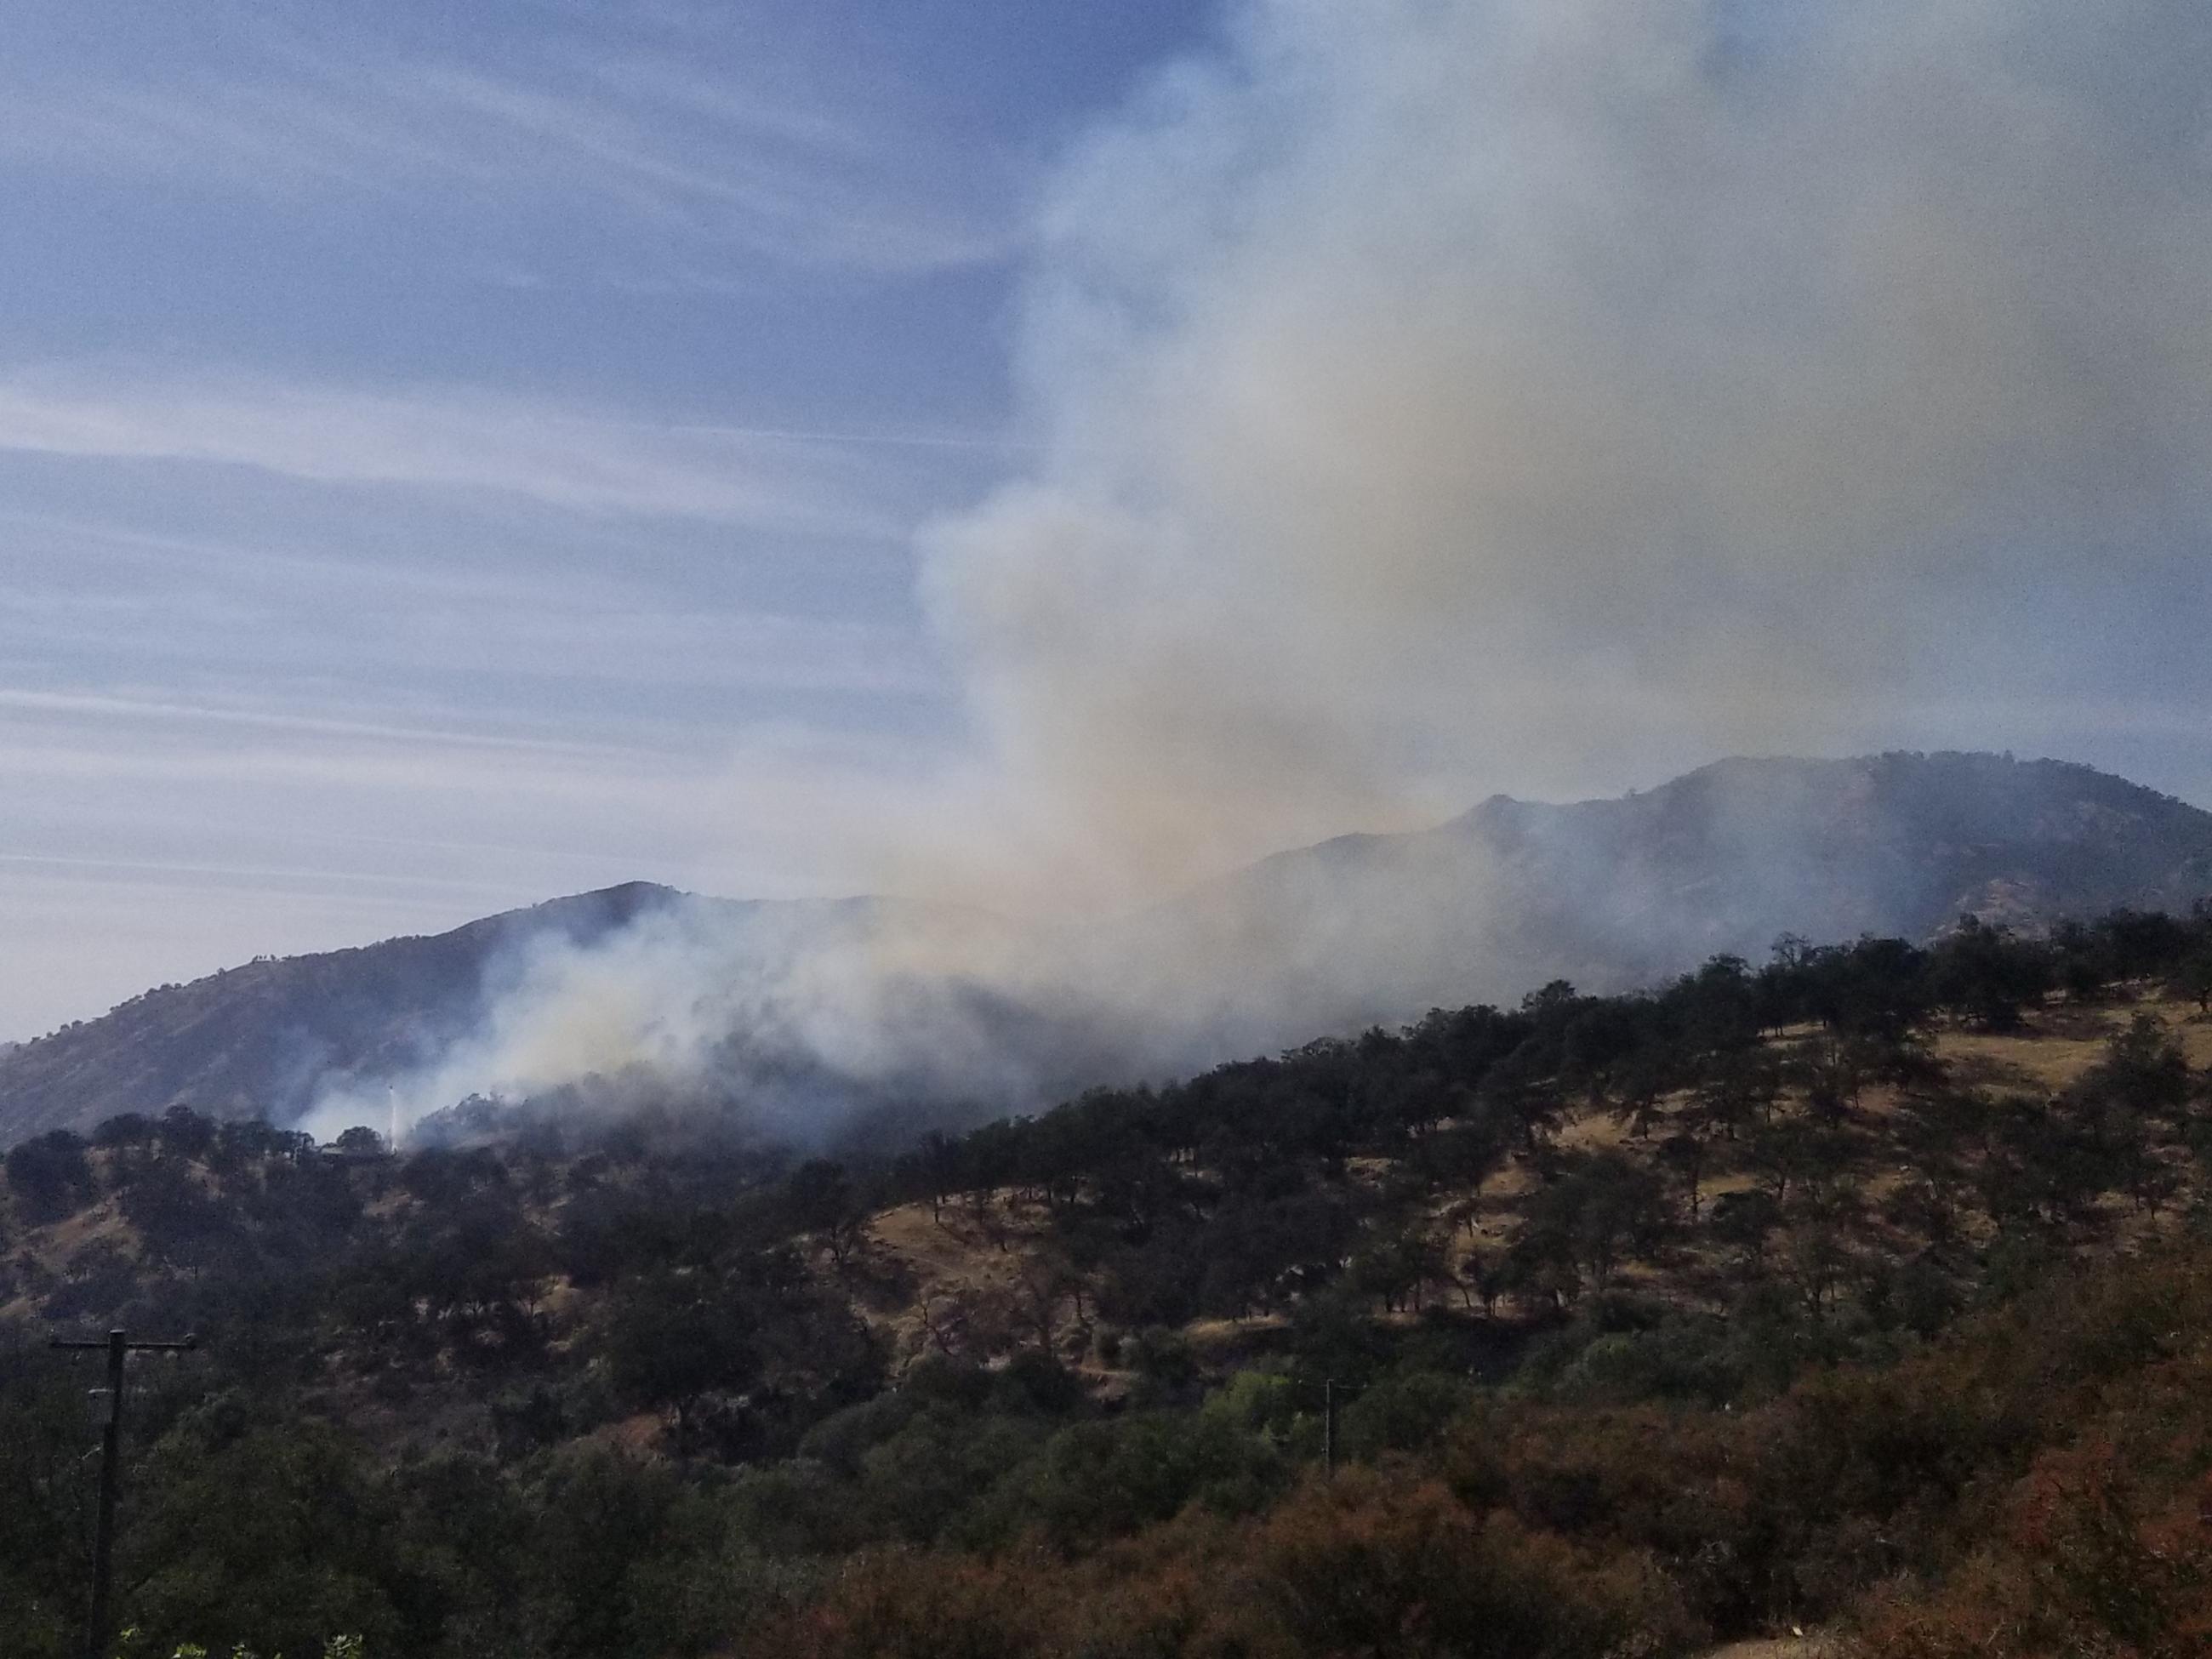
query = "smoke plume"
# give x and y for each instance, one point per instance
(1452, 396)
(1436, 398)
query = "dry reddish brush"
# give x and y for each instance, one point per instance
(1377, 1562)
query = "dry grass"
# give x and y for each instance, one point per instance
(53, 1246)
(2061, 1043)
(1593, 1132)
(952, 1249)
(968, 1280)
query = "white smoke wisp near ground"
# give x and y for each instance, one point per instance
(787, 1016)
(1533, 394)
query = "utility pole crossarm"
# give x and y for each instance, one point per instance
(183, 1345)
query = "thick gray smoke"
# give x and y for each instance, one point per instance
(1540, 394)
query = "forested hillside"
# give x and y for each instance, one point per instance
(1866, 1288)
(879, 1011)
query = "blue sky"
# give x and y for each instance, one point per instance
(428, 434)
(455, 455)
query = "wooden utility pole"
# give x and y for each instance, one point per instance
(1333, 1393)
(118, 1347)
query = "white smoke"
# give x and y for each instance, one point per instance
(1446, 397)
(1442, 397)
(780, 1014)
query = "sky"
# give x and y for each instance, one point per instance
(1039, 455)
(432, 438)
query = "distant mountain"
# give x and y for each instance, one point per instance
(1610, 894)
(1615, 894)
(254, 1041)
(1902, 844)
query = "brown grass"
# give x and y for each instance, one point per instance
(2062, 1041)
(1811, 1646)
(969, 1277)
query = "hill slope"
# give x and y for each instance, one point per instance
(1609, 894)
(253, 1041)
(1615, 894)
(1840, 1292)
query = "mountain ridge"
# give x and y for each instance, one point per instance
(1611, 893)
(436, 978)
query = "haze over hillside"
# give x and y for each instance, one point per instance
(806, 1013)
(1614, 894)
(1324, 417)
(1310, 1112)
(253, 1039)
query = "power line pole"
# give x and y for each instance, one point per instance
(118, 1347)
(1332, 1393)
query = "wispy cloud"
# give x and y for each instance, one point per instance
(450, 439)
(143, 709)
(738, 151)
(139, 869)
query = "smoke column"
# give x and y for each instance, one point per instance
(1544, 395)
